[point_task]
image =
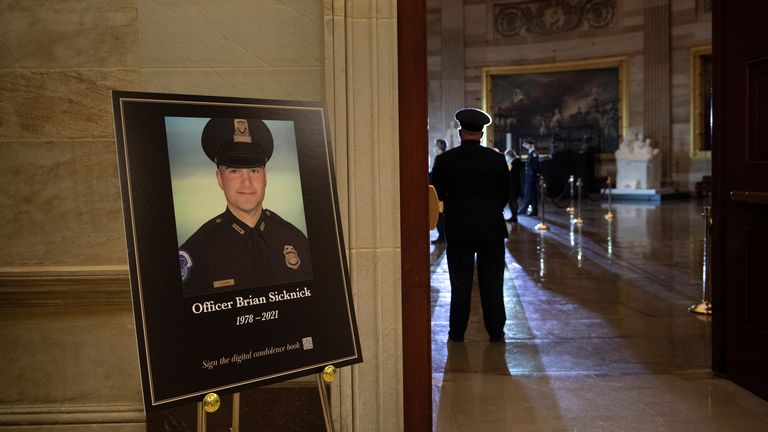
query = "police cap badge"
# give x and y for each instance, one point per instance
(237, 143)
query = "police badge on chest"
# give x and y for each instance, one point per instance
(292, 259)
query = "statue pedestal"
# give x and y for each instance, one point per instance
(638, 173)
(650, 195)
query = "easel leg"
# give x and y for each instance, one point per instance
(235, 412)
(200, 418)
(327, 417)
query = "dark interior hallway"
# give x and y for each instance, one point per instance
(598, 334)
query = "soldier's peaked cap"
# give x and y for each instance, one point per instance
(472, 119)
(237, 143)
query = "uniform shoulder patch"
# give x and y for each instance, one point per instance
(185, 263)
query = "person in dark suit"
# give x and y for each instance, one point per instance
(531, 178)
(247, 245)
(515, 183)
(473, 182)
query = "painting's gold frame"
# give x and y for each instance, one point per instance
(696, 103)
(618, 62)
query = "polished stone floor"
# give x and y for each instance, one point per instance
(598, 333)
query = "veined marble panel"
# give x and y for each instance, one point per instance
(202, 34)
(554, 51)
(63, 206)
(288, 83)
(67, 33)
(81, 355)
(60, 104)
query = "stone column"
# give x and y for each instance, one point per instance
(361, 91)
(657, 78)
(452, 49)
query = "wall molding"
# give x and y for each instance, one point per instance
(551, 16)
(64, 285)
(71, 414)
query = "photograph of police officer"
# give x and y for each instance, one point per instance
(247, 245)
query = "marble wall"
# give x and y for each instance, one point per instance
(484, 46)
(66, 325)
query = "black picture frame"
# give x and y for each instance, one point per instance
(193, 345)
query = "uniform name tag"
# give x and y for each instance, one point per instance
(223, 283)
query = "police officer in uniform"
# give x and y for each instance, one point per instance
(473, 183)
(247, 245)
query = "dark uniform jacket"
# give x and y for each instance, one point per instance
(226, 254)
(532, 168)
(473, 183)
(516, 178)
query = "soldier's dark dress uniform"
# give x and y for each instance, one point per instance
(515, 186)
(225, 253)
(473, 183)
(530, 184)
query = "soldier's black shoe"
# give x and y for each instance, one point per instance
(497, 338)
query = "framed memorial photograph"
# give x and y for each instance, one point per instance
(237, 262)
(579, 105)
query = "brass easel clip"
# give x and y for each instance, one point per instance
(211, 402)
(329, 374)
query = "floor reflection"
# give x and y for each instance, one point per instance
(598, 336)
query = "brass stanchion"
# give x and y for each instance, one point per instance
(609, 215)
(541, 226)
(704, 306)
(610, 238)
(578, 220)
(542, 257)
(571, 210)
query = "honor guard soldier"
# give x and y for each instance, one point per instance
(473, 183)
(531, 179)
(247, 245)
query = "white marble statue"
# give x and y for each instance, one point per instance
(638, 164)
(636, 149)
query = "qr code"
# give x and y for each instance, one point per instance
(307, 343)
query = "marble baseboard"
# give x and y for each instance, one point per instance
(76, 285)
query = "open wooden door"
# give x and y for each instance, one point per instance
(414, 229)
(740, 200)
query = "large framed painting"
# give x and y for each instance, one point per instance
(564, 106)
(237, 262)
(702, 113)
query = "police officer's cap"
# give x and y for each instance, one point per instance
(237, 143)
(529, 140)
(472, 119)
